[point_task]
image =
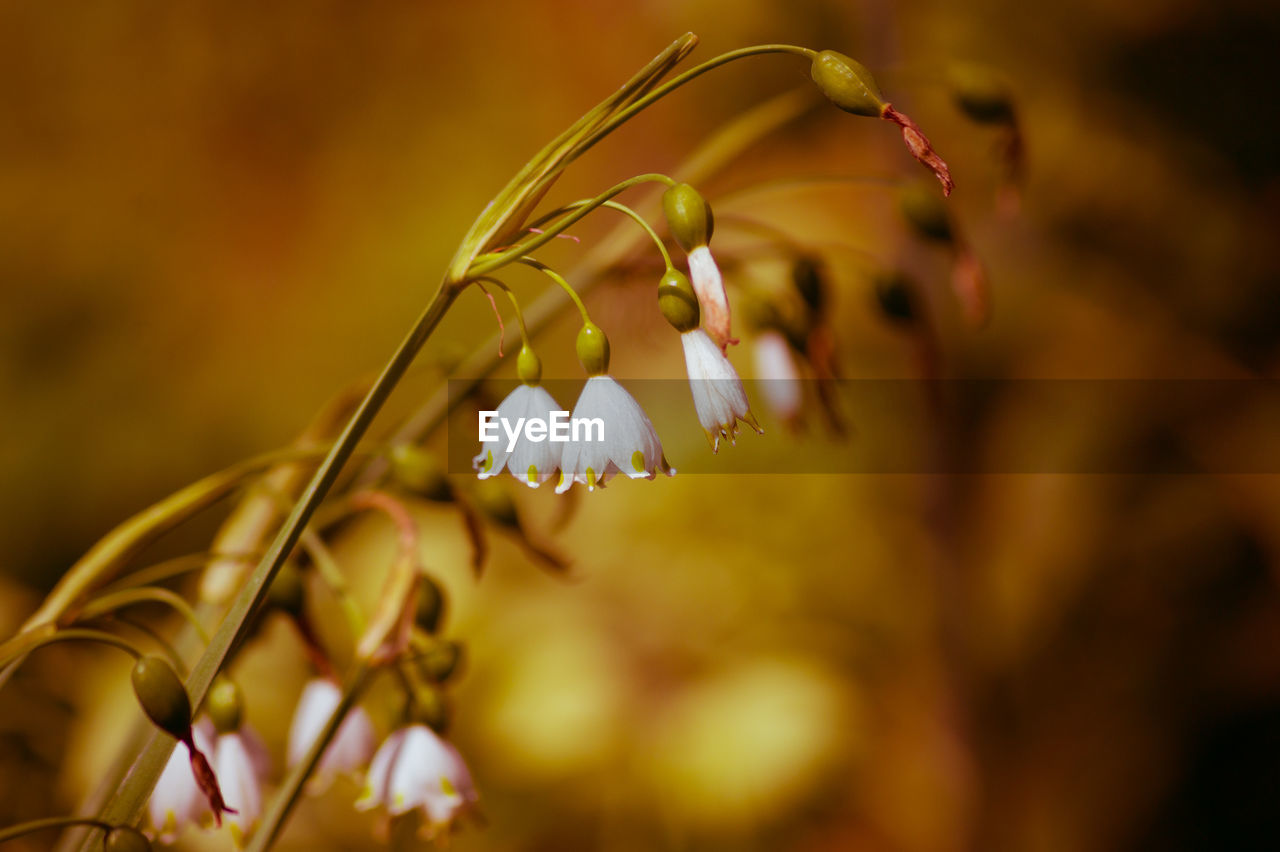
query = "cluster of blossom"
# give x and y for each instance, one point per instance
(699, 311)
(413, 768)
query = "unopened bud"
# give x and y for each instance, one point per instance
(429, 707)
(417, 471)
(439, 662)
(497, 505)
(225, 705)
(162, 696)
(677, 301)
(807, 274)
(528, 366)
(847, 83)
(593, 349)
(895, 294)
(689, 216)
(981, 94)
(287, 591)
(925, 212)
(431, 604)
(123, 838)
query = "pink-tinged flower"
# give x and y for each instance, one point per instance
(712, 298)
(240, 762)
(531, 462)
(415, 768)
(177, 799)
(348, 751)
(625, 441)
(780, 379)
(718, 396)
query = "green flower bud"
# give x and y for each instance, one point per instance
(528, 366)
(593, 349)
(895, 295)
(225, 704)
(417, 471)
(847, 84)
(162, 696)
(287, 591)
(925, 212)
(429, 707)
(122, 838)
(439, 662)
(431, 603)
(808, 277)
(497, 505)
(689, 216)
(981, 94)
(677, 301)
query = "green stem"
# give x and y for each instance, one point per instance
(129, 799)
(15, 831)
(273, 819)
(166, 647)
(621, 208)
(564, 285)
(624, 115)
(24, 643)
(175, 567)
(515, 304)
(145, 594)
(487, 263)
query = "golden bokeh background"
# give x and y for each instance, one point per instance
(215, 216)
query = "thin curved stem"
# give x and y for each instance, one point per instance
(13, 832)
(630, 112)
(170, 568)
(621, 208)
(515, 303)
(559, 279)
(145, 594)
(166, 647)
(25, 643)
(486, 263)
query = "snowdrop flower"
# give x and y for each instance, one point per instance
(691, 223)
(239, 759)
(415, 768)
(625, 443)
(776, 367)
(718, 396)
(239, 763)
(350, 748)
(533, 463)
(177, 799)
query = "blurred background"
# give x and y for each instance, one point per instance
(215, 216)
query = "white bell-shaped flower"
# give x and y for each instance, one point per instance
(532, 462)
(177, 800)
(779, 377)
(415, 768)
(718, 396)
(625, 442)
(352, 745)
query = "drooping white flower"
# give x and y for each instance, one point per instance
(177, 799)
(240, 762)
(350, 748)
(628, 444)
(415, 768)
(532, 462)
(780, 380)
(718, 396)
(712, 298)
